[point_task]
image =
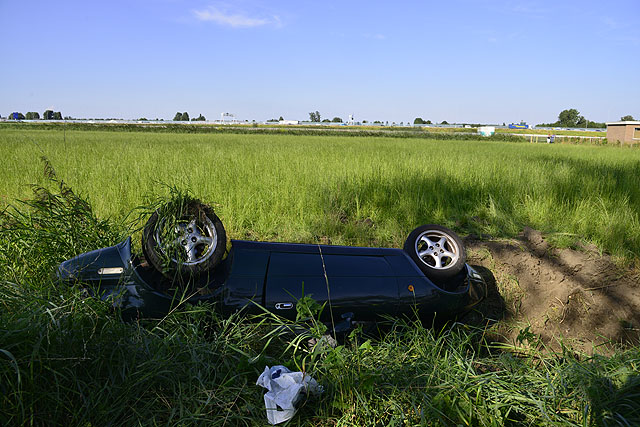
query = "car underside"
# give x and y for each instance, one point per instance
(191, 262)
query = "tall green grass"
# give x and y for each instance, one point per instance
(66, 359)
(349, 190)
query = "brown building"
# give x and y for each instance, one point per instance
(625, 132)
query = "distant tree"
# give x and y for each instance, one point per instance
(428, 122)
(364, 121)
(16, 116)
(47, 115)
(314, 116)
(272, 120)
(336, 120)
(57, 115)
(200, 118)
(378, 122)
(185, 116)
(326, 121)
(33, 115)
(177, 117)
(627, 118)
(418, 121)
(570, 118)
(142, 119)
(280, 119)
(444, 122)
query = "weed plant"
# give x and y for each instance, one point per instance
(66, 359)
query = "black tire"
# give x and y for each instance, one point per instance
(188, 243)
(437, 251)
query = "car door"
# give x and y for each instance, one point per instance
(360, 284)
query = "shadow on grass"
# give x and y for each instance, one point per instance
(576, 195)
(355, 209)
(613, 405)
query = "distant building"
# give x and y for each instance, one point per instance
(486, 130)
(228, 118)
(625, 132)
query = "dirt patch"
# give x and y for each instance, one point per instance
(578, 296)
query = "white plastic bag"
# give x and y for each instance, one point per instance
(284, 390)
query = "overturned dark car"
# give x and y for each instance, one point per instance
(186, 258)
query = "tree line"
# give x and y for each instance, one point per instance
(34, 115)
(421, 121)
(571, 118)
(315, 117)
(184, 117)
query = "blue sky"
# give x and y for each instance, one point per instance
(460, 61)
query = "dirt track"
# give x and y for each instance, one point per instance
(579, 296)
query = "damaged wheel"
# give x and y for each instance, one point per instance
(436, 250)
(188, 240)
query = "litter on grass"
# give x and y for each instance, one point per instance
(285, 390)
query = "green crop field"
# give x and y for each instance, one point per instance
(70, 360)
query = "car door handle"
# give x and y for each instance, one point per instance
(284, 305)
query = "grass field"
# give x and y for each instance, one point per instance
(65, 359)
(303, 188)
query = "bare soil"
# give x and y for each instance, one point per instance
(578, 297)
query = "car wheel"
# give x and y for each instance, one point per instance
(436, 250)
(188, 240)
